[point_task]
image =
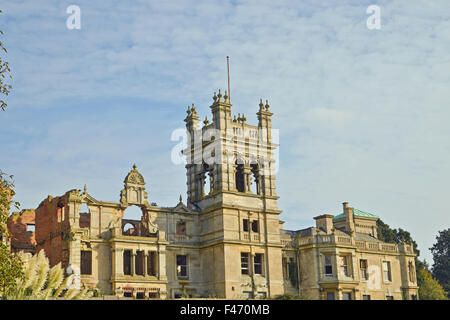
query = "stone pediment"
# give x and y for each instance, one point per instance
(181, 208)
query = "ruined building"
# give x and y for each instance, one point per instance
(227, 239)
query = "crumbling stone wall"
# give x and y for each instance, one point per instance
(20, 238)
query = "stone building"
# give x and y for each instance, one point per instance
(227, 239)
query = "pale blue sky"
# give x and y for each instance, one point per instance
(363, 114)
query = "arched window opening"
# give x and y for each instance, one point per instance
(240, 183)
(255, 185)
(129, 229)
(132, 213)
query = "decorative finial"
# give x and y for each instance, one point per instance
(239, 117)
(134, 166)
(234, 120)
(225, 96)
(181, 199)
(243, 118)
(215, 97)
(188, 110)
(219, 96)
(267, 105)
(261, 104)
(85, 189)
(206, 121)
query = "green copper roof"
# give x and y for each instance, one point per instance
(357, 213)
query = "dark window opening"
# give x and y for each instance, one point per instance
(153, 295)
(86, 262)
(366, 297)
(330, 296)
(255, 226)
(127, 262)
(258, 263)
(389, 297)
(240, 185)
(245, 225)
(328, 265)
(140, 295)
(139, 264)
(182, 266)
(151, 263)
(31, 228)
(346, 296)
(128, 294)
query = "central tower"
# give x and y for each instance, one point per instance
(231, 184)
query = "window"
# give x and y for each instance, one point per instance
(128, 294)
(413, 297)
(140, 295)
(346, 296)
(182, 266)
(127, 262)
(245, 225)
(363, 267)
(151, 263)
(389, 297)
(244, 263)
(387, 270)
(255, 226)
(285, 268)
(258, 263)
(31, 227)
(139, 263)
(328, 265)
(86, 262)
(181, 228)
(344, 265)
(330, 295)
(366, 297)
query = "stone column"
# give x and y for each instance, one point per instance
(161, 263)
(133, 262)
(145, 257)
(117, 261)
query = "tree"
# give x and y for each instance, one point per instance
(5, 74)
(441, 259)
(42, 283)
(10, 270)
(430, 288)
(6, 194)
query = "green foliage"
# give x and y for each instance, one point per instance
(441, 259)
(10, 270)
(5, 73)
(430, 288)
(40, 282)
(6, 193)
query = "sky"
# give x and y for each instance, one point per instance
(362, 113)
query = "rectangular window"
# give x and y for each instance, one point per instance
(330, 295)
(389, 297)
(346, 296)
(139, 263)
(255, 226)
(258, 263)
(363, 267)
(127, 262)
(182, 266)
(86, 262)
(366, 297)
(244, 263)
(285, 268)
(151, 263)
(31, 227)
(343, 260)
(181, 228)
(387, 271)
(328, 265)
(245, 225)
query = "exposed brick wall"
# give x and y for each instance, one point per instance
(21, 239)
(51, 226)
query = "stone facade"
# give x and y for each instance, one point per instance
(226, 240)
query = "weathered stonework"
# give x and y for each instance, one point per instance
(227, 239)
